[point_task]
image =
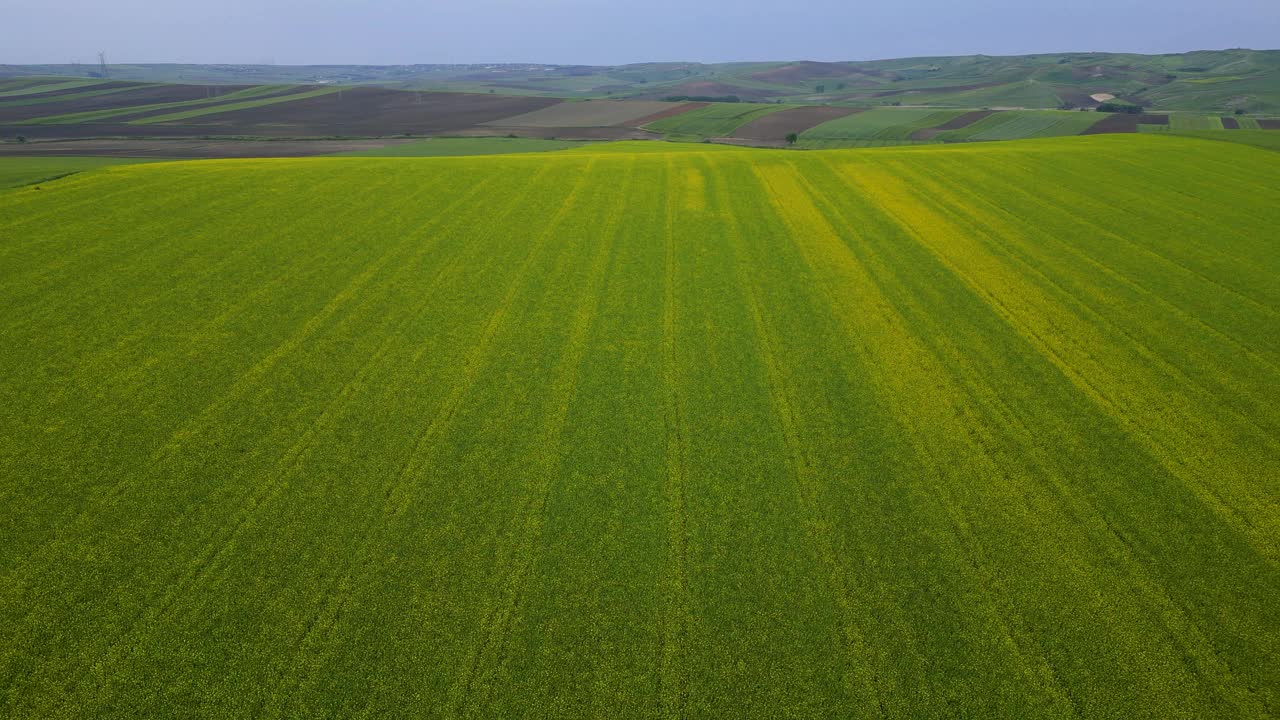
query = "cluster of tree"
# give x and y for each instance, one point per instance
(1120, 108)
(703, 98)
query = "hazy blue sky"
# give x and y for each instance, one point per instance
(597, 32)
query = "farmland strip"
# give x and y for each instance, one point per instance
(673, 691)
(864, 314)
(861, 680)
(521, 556)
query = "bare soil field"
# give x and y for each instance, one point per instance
(1229, 123)
(1125, 123)
(1269, 124)
(776, 126)
(191, 149)
(954, 123)
(595, 113)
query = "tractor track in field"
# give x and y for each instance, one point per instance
(1182, 630)
(317, 629)
(518, 559)
(1111, 405)
(913, 356)
(673, 692)
(216, 552)
(818, 525)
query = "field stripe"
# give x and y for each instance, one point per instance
(867, 317)
(97, 498)
(673, 691)
(221, 547)
(1031, 248)
(860, 678)
(314, 644)
(520, 553)
(245, 381)
(1198, 652)
(1248, 508)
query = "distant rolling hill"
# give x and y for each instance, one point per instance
(1209, 80)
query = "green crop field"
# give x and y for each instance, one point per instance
(715, 120)
(938, 431)
(1188, 121)
(882, 125)
(1020, 124)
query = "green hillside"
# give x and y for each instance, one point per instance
(1217, 80)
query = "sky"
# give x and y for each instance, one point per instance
(596, 32)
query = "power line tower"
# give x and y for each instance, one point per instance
(102, 63)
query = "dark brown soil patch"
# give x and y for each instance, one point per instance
(954, 123)
(191, 149)
(1230, 124)
(1124, 123)
(776, 125)
(1269, 124)
(680, 109)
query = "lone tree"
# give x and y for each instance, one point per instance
(791, 138)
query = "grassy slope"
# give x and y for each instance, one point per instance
(1209, 80)
(17, 171)
(442, 147)
(933, 431)
(715, 120)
